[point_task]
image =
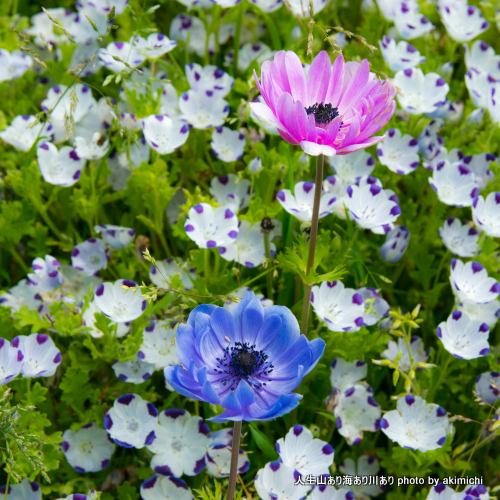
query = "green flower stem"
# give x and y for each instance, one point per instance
(233, 471)
(269, 276)
(440, 379)
(19, 259)
(207, 266)
(237, 33)
(312, 242)
(46, 218)
(7, 486)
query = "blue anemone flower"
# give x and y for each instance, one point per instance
(247, 360)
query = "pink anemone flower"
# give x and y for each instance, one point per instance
(335, 110)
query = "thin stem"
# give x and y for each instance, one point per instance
(312, 242)
(269, 276)
(19, 259)
(45, 216)
(237, 33)
(207, 266)
(437, 384)
(7, 487)
(235, 450)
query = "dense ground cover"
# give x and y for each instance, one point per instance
(198, 228)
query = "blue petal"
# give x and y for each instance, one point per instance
(286, 365)
(289, 332)
(284, 405)
(230, 402)
(270, 328)
(237, 314)
(252, 320)
(286, 384)
(206, 387)
(317, 348)
(234, 415)
(244, 393)
(185, 345)
(171, 374)
(210, 349)
(204, 308)
(222, 323)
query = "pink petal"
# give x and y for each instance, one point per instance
(296, 77)
(292, 116)
(336, 82)
(318, 79)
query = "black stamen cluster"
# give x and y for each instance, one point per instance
(323, 113)
(241, 361)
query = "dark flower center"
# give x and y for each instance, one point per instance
(323, 113)
(242, 361)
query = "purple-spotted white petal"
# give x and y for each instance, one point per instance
(463, 337)
(123, 50)
(399, 348)
(209, 227)
(180, 445)
(409, 22)
(90, 256)
(398, 153)
(231, 191)
(88, 316)
(454, 183)
(117, 237)
(25, 490)
(227, 145)
(486, 313)
(13, 64)
(46, 275)
(165, 134)
(118, 304)
(94, 149)
(471, 283)
(396, 243)
(345, 375)
(341, 308)
(158, 346)
(11, 361)
(401, 55)
(89, 449)
(59, 167)
(132, 421)
(416, 424)
(24, 130)
(486, 214)
(463, 22)
(209, 78)
(156, 45)
(376, 308)
(218, 455)
(488, 386)
(461, 240)
(41, 356)
(278, 481)
(352, 166)
(165, 488)
(366, 466)
(134, 371)
(204, 109)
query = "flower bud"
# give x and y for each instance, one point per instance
(255, 166)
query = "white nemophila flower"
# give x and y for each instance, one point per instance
(116, 236)
(83, 32)
(370, 206)
(25, 293)
(88, 449)
(132, 421)
(480, 86)
(251, 52)
(226, 3)
(398, 153)
(135, 371)
(60, 102)
(325, 491)
(494, 104)
(463, 22)
(352, 166)
(227, 144)
(268, 5)
(441, 154)
(94, 149)
(479, 165)
(11, 361)
(158, 347)
(166, 488)
(218, 455)
(341, 308)
(99, 119)
(77, 283)
(338, 187)
(46, 275)
(155, 46)
(13, 64)
(366, 466)
(209, 78)
(482, 58)
(429, 141)
(125, 51)
(25, 490)
(356, 411)
(302, 8)
(304, 454)
(263, 124)
(396, 243)
(463, 337)
(22, 132)
(345, 375)
(420, 93)
(471, 283)
(41, 356)
(209, 227)
(165, 134)
(409, 22)
(169, 268)
(169, 101)
(180, 445)
(103, 7)
(255, 166)
(117, 305)
(486, 214)
(45, 31)
(204, 109)
(376, 308)
(418, 352)
(461, 240)
(416, 425)
(443, 492)
(476, 116)
(454, 183)
(60, 168)
(88, 316)
(278, 481)
(241, 292)
(401, 55)
(488, 386)
(90, 256)
(487, 313)
(248, 248)
(191, 30)
(300, 204)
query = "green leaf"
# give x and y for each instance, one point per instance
(329, 416)
(263, 442)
